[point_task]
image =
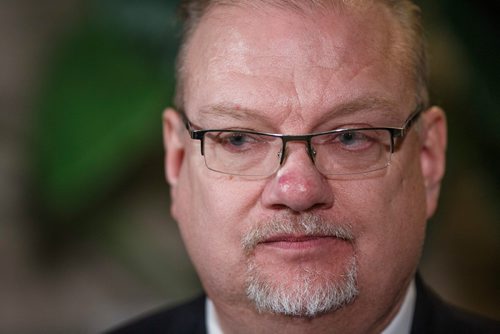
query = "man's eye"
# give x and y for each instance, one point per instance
(352, 138)
(356, 140)
(237, 142)
(238, 139)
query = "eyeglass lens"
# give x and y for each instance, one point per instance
(337, 153)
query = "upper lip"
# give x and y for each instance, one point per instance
(294, 238)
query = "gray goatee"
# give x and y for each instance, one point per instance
(309, 293)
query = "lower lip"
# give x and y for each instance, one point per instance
(303, 243)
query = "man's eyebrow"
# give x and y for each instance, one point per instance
(230, 111)
(385, 107)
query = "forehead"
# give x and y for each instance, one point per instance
(272, 57)
(265, 26)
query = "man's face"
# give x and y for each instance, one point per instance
(281, 71)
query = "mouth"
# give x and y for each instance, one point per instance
(305, 232)
(300, 242)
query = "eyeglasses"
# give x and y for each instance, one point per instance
(334, 153)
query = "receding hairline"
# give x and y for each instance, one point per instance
(406, 15)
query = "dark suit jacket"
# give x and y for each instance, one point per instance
(432, 316)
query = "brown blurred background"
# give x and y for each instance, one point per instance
(86, 239)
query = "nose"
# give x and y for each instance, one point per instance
(298, 185)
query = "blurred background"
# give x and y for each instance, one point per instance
(86, 239)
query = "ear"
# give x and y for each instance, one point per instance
(174, 145)
(433, 154)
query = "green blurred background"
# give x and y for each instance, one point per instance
(86, 238)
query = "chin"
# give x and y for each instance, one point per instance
(301, 291)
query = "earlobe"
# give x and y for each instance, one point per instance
(433, 154)
(174, 146)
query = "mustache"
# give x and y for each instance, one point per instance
(307, 224)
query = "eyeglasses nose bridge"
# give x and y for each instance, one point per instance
(311, 152)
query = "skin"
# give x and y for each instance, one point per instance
(282, 71)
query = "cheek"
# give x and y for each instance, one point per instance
(389, 214)
(212, 210)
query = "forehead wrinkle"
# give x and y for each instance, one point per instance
(364, 104)
(230, 111)
(357, 107)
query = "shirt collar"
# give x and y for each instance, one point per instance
(213, 326)
(401, 323)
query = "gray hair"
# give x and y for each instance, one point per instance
(407, 14)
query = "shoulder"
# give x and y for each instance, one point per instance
(433, 315)
(187, 318)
